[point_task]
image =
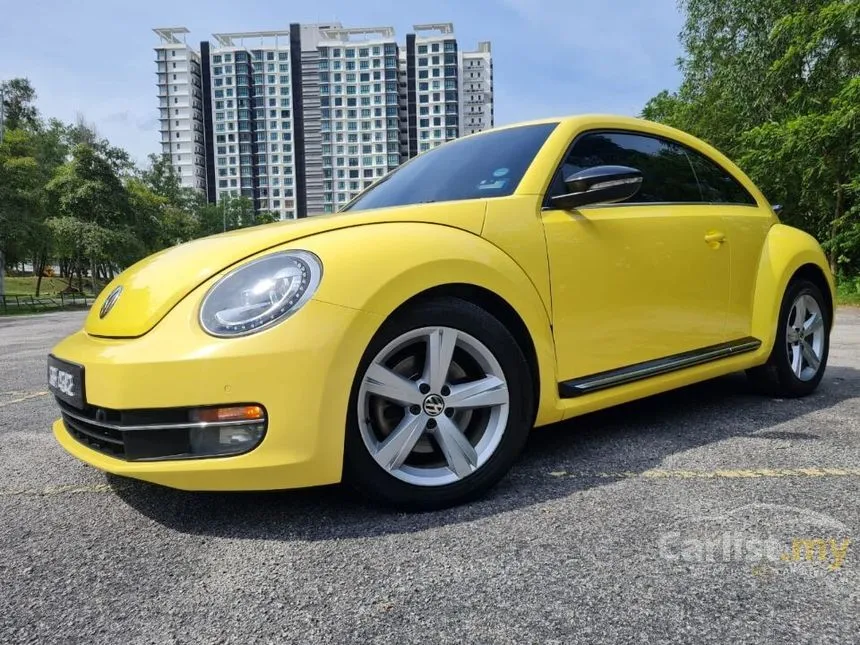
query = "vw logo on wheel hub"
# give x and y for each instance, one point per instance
(109, 302)
(434, 405)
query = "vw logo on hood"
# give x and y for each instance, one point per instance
(109, 302)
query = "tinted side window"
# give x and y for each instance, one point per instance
(667, 175)
(717, 185)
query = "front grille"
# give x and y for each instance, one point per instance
(142, 435)
(90, 427)
(97, 437)
(131, 435)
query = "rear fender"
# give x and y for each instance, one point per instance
(786, 250)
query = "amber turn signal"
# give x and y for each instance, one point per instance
(233, 413)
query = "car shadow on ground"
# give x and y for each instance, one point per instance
(630, 438)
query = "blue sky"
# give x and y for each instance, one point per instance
(551, 57)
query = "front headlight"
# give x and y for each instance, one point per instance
(260, 294)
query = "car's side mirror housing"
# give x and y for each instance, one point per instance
(599, 185)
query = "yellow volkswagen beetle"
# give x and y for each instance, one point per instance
(408, 344)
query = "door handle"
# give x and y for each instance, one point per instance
(715, 238)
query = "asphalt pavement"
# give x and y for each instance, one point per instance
(706, 515)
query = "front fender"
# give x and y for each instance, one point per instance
(376, 268)
(786, 249)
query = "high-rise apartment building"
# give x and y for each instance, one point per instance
(476, 113)
(301, 120)
(252, 126)
(358, 116)
(181, 107)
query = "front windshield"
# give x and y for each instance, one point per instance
(487, 165)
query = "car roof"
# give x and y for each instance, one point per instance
(583, 119)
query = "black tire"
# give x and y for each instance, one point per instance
(372, 480)
(776, 378)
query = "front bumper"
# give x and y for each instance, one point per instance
(301, 371)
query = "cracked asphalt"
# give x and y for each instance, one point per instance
(705, 515)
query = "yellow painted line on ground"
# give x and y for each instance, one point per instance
(66, 489)
(26, 397)
(740, 473)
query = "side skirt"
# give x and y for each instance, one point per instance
(639, 371)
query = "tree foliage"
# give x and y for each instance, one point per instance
(68, 196)
(19, 109)
(775, 84)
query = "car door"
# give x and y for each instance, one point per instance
(638, 281)
(745, 224)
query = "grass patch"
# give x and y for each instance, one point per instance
(848, 291)
(847, 296)
(26, 286)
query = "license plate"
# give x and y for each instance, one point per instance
(66, 381)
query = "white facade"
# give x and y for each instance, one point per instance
(180, 100)
(436, 88)
(303, 119)
(359, 110)
(477, 90)
(252, 119)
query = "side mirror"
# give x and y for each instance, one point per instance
(599, 185)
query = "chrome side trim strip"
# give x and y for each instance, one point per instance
(612, 378)
(160, 426)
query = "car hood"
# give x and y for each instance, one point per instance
(153, 286)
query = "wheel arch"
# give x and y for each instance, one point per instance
(788, 253)
(497, 307)
(815, 274)
(381, 268)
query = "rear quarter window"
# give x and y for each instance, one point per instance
(717, 185)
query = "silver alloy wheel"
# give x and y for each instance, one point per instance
(433, 406)
(804, 337)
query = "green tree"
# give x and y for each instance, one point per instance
(231, 213)
(19, 196)
(774, 84)
(91, 212)
(180, 216)
(19, 110)
(67, 194)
